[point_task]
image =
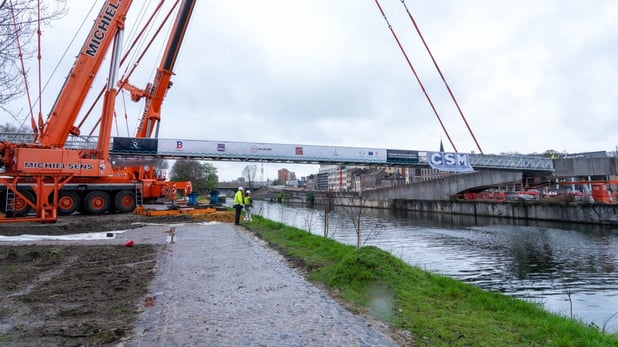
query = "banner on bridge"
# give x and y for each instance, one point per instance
(269, 151)
(134, 145)
(399, 156)
(450, 162)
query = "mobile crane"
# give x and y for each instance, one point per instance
(50, 178)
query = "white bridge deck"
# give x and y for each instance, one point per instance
(305, 154)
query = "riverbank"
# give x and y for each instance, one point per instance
(433, 310)
(423, 309)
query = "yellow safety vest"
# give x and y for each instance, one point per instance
(238, 198)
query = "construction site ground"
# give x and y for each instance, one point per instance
(63, 292)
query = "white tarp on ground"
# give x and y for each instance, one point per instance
(82, 236)
(69, 237)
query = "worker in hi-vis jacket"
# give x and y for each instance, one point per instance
(239, 201)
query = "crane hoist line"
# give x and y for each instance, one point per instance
(45, 178)
(418, 79)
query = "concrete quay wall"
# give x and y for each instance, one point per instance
(557, 212)
(572, 213)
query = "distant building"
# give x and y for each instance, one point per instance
(284, 175)
(351, 178)
(427, 174)
(338, 177)
(311, 182)
(321, 181)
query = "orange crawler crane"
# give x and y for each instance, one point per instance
(49, 178)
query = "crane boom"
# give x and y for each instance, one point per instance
(155, 92)
(60, 123)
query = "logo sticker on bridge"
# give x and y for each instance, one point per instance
(452, 162)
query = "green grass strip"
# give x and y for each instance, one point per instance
(437, 310)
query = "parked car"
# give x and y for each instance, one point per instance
(526, 195)
(577, 196)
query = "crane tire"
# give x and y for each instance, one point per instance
(96, 202)
(20, 207)
(125, 201)
(68, 202)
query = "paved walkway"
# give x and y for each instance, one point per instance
(217, 285)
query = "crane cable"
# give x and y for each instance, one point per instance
(144, 43)
(403, 51)
(441, 75)
(38, 34)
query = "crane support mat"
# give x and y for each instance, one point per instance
(174, 212)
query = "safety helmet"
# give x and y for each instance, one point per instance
(240, 188)
(248, 191)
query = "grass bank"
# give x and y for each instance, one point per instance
(436, 310)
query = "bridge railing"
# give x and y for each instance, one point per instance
(511, 162)
(74, 142)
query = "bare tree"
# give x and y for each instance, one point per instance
(249, 174)
(326, 201)
(355, 209)
(308, 222)
(19, 23)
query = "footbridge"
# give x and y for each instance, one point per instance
(476, 171)
(209, 150)
(336, 155)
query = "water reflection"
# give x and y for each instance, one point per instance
(561, 266)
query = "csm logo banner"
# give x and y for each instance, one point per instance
(453, 162)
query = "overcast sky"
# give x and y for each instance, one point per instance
(528, 75)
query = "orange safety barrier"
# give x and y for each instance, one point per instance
(486, 196)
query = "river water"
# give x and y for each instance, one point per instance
(571, 270)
